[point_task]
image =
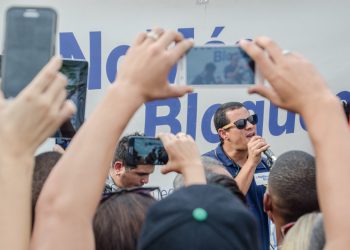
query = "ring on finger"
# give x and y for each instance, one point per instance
(152, 35)
(286, 52)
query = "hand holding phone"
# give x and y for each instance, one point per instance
(145, 150)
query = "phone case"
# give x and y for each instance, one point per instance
(30, 35)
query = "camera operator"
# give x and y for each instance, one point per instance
(122, 175)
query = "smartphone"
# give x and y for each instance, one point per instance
(30, 35)
(76, 72)
(144, 150)
(219, 64)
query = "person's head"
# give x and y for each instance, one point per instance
(210, 68)
(118, 220)
(128, 176)
(44, 163)
(291, 190)
(318, 236)
(235, 125)
(299, 235)
(199, 217)
(227, 182)
(210, 166)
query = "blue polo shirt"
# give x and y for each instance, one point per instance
(255, 193)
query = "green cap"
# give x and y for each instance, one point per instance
(199, 214)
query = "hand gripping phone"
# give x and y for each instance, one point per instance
(145, 150)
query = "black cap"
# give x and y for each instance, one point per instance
(199, 217)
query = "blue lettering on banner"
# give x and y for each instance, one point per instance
(206, 124)
(275, 128)
(152, 120)
(70, 48)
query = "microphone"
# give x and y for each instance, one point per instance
(271, 158)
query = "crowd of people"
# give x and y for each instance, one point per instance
(88, 198)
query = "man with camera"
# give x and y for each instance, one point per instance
(240, 152)
(122, 175)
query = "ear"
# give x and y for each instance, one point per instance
(118, 167)
(268, 208)
(222, 133)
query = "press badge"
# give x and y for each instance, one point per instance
(261, 178)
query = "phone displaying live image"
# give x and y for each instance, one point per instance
(30, 35)
(212, 65)
(144, 150)
(76, 72)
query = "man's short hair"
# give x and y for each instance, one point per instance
(220, 118)
(292, 184)
(121, 151)
(118, 220)
(44, 163)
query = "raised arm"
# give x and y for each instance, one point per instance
(298, 87)
(26, 122)
(73, 190)
(184, 158)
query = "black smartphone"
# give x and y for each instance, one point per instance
(217, 65)
(144, 150)
(30, 35)
(76, 72)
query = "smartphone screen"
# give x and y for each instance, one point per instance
(144, 150)
(208, 65)
(29, 45)
(76, 72)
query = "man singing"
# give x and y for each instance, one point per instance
(240, 152)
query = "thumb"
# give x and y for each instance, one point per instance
(168, 168)
(178, 91)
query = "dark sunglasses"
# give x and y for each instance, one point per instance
(145, 191)
(242, 123)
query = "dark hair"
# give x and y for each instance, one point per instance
(44, 163)
(210, 67)
(220, 118)
(120, 153)
(118, 221)
(292, 183)
(228, 183)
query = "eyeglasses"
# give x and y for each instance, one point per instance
(145, 191)
(242, 123)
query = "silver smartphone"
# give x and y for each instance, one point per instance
(217, 65)
(30, 35)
